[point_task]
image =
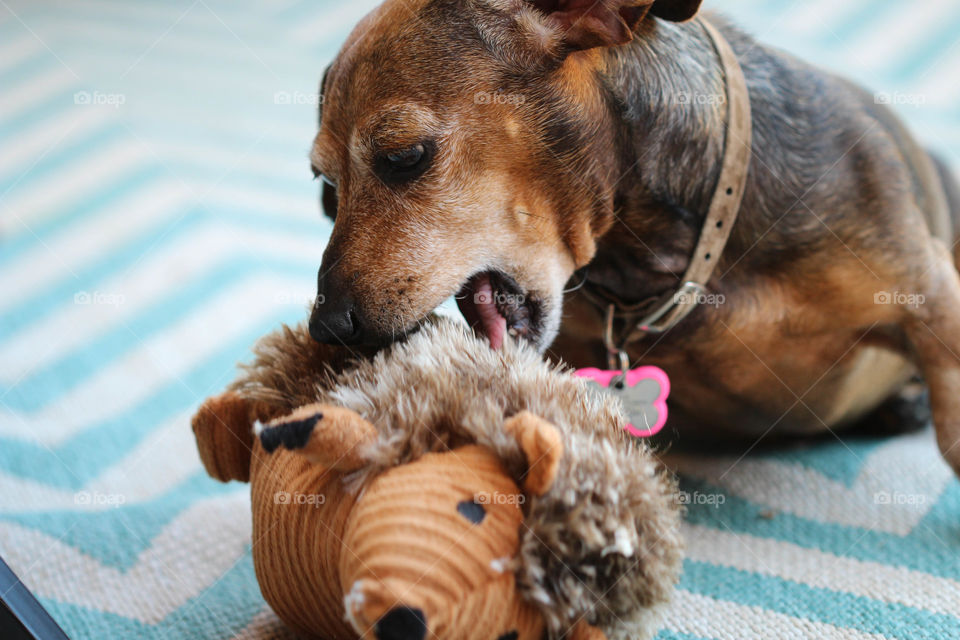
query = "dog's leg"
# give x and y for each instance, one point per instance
(932, 325)
(906, 411)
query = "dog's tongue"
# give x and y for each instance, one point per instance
(478, 307)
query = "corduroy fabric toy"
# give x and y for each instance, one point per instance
(443, 490)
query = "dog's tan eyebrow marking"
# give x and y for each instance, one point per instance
(512, 126)
(397, 126)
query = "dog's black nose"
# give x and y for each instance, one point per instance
(334, 319)
(402, 623)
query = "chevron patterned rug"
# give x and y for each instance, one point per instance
(157, 215)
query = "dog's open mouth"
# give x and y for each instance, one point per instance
(495, 306)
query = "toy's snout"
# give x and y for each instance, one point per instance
(429, 547)
(402, 623)
(373, 605)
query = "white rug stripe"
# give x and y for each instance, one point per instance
(706, 617)
(161, 359)
(813, 17)
(223, 162)
(164, 459)
(35, 91)
(823, 570)
(215, 43)
(162, 272)
(265, 625)
(66, 251)
(259, 199)
(162, 16)
(329, 26)
(16, 50)
(893, 38)
(930, 83)
(897, 486)
(192, 552)
(281, 5)
(86, 175)
(291, 132)
(29, 145)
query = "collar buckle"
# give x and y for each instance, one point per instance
(674, 309)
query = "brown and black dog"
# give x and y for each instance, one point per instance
(493, 149)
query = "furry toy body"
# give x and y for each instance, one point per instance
(443, 489)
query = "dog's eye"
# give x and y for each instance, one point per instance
(405, 164)
(403, 160)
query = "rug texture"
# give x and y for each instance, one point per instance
(157, 215)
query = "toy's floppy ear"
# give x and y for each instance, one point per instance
(325, 435)
(223, 428)
(542, 447)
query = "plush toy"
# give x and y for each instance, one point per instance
(443, 490)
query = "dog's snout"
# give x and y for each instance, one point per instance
(334, 319)
(339, 325)
(402, 623)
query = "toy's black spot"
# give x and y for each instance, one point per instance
(472, 511)
(510, 635)
(401, 623)
(292, 435)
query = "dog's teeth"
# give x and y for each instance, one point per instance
(519, 326)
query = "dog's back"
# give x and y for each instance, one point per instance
(838, 134)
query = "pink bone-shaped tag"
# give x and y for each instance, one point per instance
(604, 378)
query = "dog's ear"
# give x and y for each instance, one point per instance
(676, 10)
(604, 23)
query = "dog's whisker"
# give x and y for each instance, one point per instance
(583, 281)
